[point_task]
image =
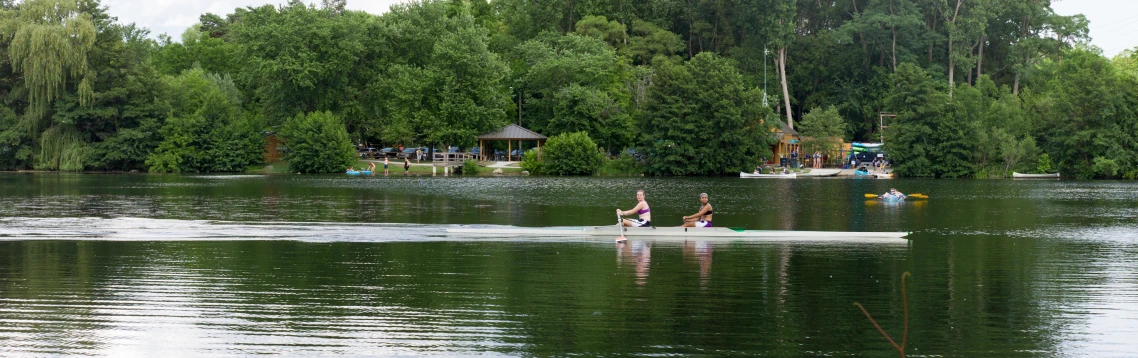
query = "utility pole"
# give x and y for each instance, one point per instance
(881, 123)
(765, 52)
(519, 93)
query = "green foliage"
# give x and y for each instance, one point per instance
(576, 83)
(61, 149)
(570, 154)
(470, 167)
(978, 93)
(822, 131)
(1043, 165)
(531, 161)
(623, 165)
(702, 120)
(49, 44)
(207, 131)
(317, 143)
(930, 136)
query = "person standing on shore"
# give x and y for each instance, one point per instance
(406, 166)
(386, 162)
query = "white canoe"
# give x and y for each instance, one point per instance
(773, 176)
(1035, 176)
(681, 233)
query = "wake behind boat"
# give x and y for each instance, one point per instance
(682, 233)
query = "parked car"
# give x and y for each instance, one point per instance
(387, 152)
(407, 153)
(475, 151)
(452, 150)
(365, 153)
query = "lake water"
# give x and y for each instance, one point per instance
(161, 265)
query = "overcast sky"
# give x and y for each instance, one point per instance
(1114, 23)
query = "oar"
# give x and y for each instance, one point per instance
(620, 223)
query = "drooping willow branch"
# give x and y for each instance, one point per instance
(50, 41)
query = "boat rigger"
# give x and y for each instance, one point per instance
(681, 233)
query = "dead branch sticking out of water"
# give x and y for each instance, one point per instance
(905, 334)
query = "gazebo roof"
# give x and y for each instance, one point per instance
(787, 129)
(513, 132)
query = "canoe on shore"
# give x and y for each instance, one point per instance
(681, 233)
(1035, 176)
(769, 176)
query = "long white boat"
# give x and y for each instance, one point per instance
(682, 233)
(770, 176)
(1035, 176)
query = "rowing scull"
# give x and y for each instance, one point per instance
(681, 233)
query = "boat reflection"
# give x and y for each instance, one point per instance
(638, 254)
(699, 251)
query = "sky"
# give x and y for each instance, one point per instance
(1114, 23)
(172, 17)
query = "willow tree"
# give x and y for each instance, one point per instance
(48, 43)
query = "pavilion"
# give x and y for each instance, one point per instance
(509, 134)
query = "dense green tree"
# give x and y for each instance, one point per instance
(822, 130)
(918, 104)
(702, 119)
(576, 83)
(570, 154)
(317, 143)
(1088, 113)
(207, 131)
(302, 60)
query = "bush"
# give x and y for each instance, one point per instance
(470, 167)
(531, 161)
(1043, 166)
(571, 154)
(317, 143)
(625, 164)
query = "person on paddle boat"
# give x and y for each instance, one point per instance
(893, 194)
(703, 217)
(640, 209)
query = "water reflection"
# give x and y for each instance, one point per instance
(161, 265)
(699, 251)
(638, 254)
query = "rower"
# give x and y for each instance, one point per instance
(701, 218)
(893, 194)
(641, 209)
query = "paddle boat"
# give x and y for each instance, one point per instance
(358, 172)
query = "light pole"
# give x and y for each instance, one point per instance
(765, 52)
(519, 93)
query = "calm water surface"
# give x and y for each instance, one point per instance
(148, 265)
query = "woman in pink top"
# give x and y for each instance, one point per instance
(640, 209)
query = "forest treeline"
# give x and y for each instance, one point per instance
(978, 88)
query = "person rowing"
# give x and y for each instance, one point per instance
(701, 218)
(893, 194)
(640, 209)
